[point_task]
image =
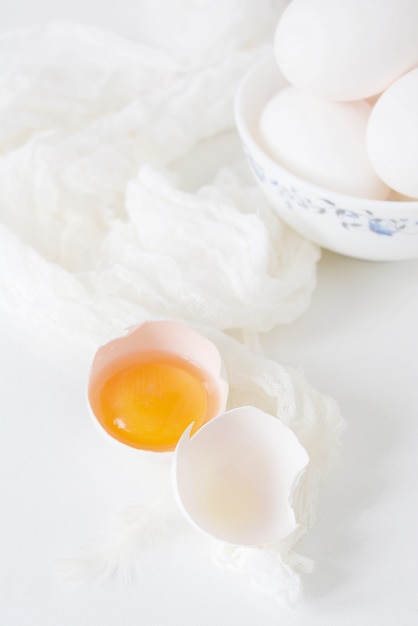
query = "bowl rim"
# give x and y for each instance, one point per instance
(249, 140)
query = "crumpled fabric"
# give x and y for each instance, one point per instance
(96, 233)
(199, 257)
(90, 212)
(316, 420)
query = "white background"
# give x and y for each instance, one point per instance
(60, 482)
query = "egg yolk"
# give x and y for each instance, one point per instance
(149, 405)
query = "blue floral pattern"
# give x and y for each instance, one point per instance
(358, 220)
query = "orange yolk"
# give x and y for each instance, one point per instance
(149, 405)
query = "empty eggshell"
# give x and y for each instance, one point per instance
(146, 387)
(235, 477)
(392, 135)
(322, 142)
(346, 49)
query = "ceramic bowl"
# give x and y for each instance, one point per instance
(379, 230)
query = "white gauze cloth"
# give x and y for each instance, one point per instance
(92, 231)
(97, 235)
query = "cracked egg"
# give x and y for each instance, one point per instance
(147, 387)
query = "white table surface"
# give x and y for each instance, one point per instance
(60, 482)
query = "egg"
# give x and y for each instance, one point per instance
(320, 141)
(147, 387)
(234, 479)
(392, 135)
(347, 49)
(395, 196)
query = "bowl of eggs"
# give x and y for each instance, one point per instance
(330, 129)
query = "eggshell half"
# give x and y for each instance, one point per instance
(142, 428)
(235, 477)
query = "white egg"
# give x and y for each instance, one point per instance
(392, 135)
(395, 196)
(347, 49)
(322, 142)
(234, 479)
